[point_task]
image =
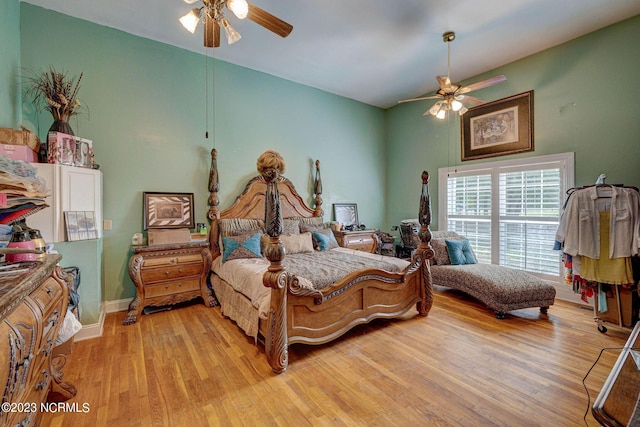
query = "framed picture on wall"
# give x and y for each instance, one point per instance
(498, 128)
(168, 210)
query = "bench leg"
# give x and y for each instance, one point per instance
(500, 315)
(544, 310)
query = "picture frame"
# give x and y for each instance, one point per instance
(498, 128)
(80, 225)
(168, 210)
(346, 213)
(83, 156)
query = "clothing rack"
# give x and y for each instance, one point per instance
(622, 301)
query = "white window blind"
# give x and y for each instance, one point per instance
(509, 210)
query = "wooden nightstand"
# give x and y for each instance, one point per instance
(169, 274)
(362, 240)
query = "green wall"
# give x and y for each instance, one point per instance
(586, 96)
(147, 102)
(147, 122)
(10, 99)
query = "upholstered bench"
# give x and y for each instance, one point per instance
(500, 288)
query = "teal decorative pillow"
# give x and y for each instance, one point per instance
(460, 252)
(242, 246)
(324, 239)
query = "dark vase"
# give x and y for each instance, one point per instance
(61, 126)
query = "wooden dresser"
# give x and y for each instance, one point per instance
(32, 308)
(362, 240)
(169, 274)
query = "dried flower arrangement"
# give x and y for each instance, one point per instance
(55, 92)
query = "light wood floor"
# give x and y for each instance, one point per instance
(460, 366)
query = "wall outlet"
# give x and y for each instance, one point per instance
(107, 225)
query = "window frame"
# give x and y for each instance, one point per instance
(564, 161)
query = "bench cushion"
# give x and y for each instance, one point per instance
(501, 288)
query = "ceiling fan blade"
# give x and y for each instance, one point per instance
(211, 32)
(484, 83)
(268, 21)
(419, 99)
(434, 109)
(468, 99)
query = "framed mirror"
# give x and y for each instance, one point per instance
(346, 213)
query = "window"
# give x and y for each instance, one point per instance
(509, 210)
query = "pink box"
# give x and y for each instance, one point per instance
(61, 148)
(19, 152)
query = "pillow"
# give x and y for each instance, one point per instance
(441, 255)
(241, 246)
(460, 252)
(233, 226)
(313, 221)
(324, 240)
(290, 226)
(297, 243)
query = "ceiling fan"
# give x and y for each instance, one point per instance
(213, 17)
(452, 96)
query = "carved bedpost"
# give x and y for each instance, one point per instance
(271, 166)
(214, 213)
(317, 189)
(214, 187)
(425, 253)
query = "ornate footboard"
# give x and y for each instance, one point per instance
(301, 315)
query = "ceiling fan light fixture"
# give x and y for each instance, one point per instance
(455, 105)
(191, 19)
(232, 35)
(240, 8)
(190, 1)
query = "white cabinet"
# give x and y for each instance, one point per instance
(72, 189)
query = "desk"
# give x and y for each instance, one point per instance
(618, 402)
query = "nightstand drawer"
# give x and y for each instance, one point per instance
(360, 246)
(169, 288)
(173, 272)
(171, 260)
(358, 240)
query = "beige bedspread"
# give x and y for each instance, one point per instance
(317, 269)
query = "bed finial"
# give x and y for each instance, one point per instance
(271, 163)
(425, 253)
(317, 189)
(214, 187)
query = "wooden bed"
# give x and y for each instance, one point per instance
(300, 315)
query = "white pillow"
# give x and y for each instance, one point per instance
(297, 243)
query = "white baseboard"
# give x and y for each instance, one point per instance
(118, 305)
(93, 330)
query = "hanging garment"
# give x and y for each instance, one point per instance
(616, 271)
(579, 227)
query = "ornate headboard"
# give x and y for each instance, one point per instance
(250, 204)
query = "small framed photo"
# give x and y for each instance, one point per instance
(346, 213)
(83, 156)
(168, 210)
(498, 128)
(80, 225)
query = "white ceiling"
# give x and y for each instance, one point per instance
(373, 51)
